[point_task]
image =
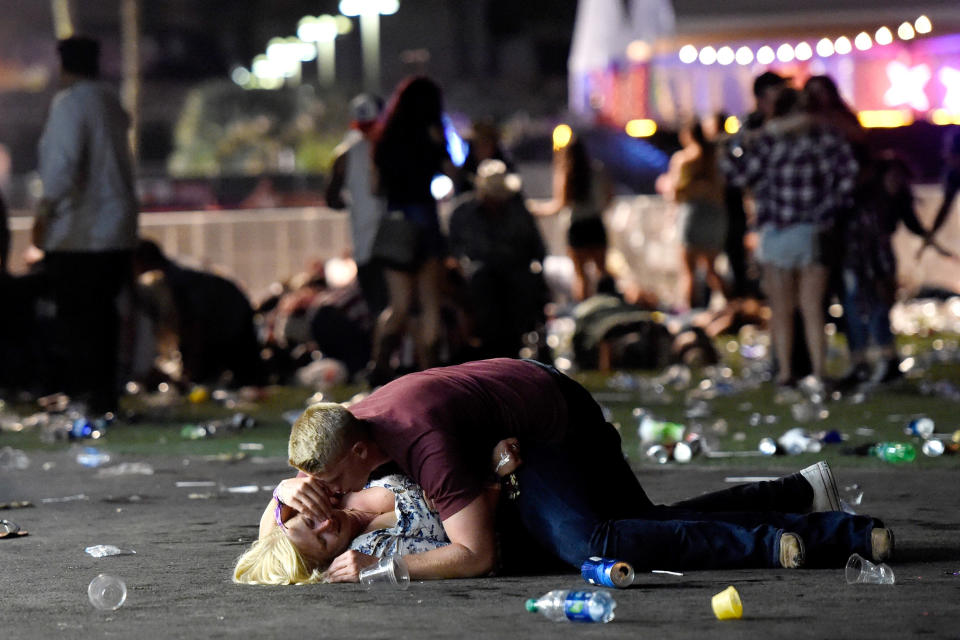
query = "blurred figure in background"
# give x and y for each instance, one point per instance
(802, 175)
(352, 173)
(951, 183)
(498, 247)
(694, 182)
(766, 87)
(410, 148)
(484, 145)
(86, 224)
(582, 190)
(205, 317)
(884, 199)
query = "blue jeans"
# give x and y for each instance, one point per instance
(864, 324)
(579, 498)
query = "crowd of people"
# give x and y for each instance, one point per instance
(798, 201)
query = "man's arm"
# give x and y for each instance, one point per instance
(471, 552)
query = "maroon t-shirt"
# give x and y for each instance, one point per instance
(440, 425)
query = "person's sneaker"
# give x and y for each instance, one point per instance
(881, 544)
(792, 552)
(825, 494)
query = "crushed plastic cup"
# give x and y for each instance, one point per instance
(104, 550)
(13, 459)
(727, 604)
(107, 593)
(861, 571)
(126, 469)
(388, 572)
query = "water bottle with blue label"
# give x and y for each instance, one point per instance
(574, 606)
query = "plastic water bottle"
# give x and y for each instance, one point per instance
(92, 457)
(575, 606)
(922, 427)
(894, 451)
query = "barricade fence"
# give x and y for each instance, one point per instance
(257, 247)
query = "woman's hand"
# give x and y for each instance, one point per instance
(506, 457)
(347, 566)
(309, 496)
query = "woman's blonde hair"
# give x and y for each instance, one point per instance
(273, 560)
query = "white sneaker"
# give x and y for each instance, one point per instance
(825, 495)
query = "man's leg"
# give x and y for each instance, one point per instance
(559, 511)
(829, 537)
(789, 494)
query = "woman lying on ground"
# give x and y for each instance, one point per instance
(391, 516)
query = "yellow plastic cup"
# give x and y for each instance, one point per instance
(727, 605)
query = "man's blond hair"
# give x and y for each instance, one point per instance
(321, 435)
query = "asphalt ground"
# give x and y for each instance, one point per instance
(186, 539)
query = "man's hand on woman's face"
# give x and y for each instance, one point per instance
(309, 496)
(347, 566)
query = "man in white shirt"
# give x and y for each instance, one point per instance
(351, 172)
(86, 224)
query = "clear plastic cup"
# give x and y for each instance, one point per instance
(389, 572)
(862, 571)
(727, 604)
(107, 593)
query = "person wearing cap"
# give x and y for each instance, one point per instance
(497, 246)
(351, 176)
(86, 223)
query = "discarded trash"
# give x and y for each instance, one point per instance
(126, 469)
(688, 448)
(607, 573)
(92, 457)
(575, 606)
(10, 529)
(104, 550)
(739, 479)
(214, 428)
(864, 431)
(727, 604)
(862, 571)
(16, 504)
(247, 488)
(13, 459)
(922, 427)
(933, 448)
(808, 411)
(894, 451)
(651, 430)
(83, 428)
(196, 483)
(73, 498)
(388, 572)
(668, 573)
(768, 447)
(796, 441)
(250, 446)
(198, 395)
(852, 495)
(658, 453)
(107, 593)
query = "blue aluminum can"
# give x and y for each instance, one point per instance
(607, 573)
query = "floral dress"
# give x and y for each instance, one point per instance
(418, 527)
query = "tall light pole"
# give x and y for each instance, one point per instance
(323, 31)
(369, 12)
